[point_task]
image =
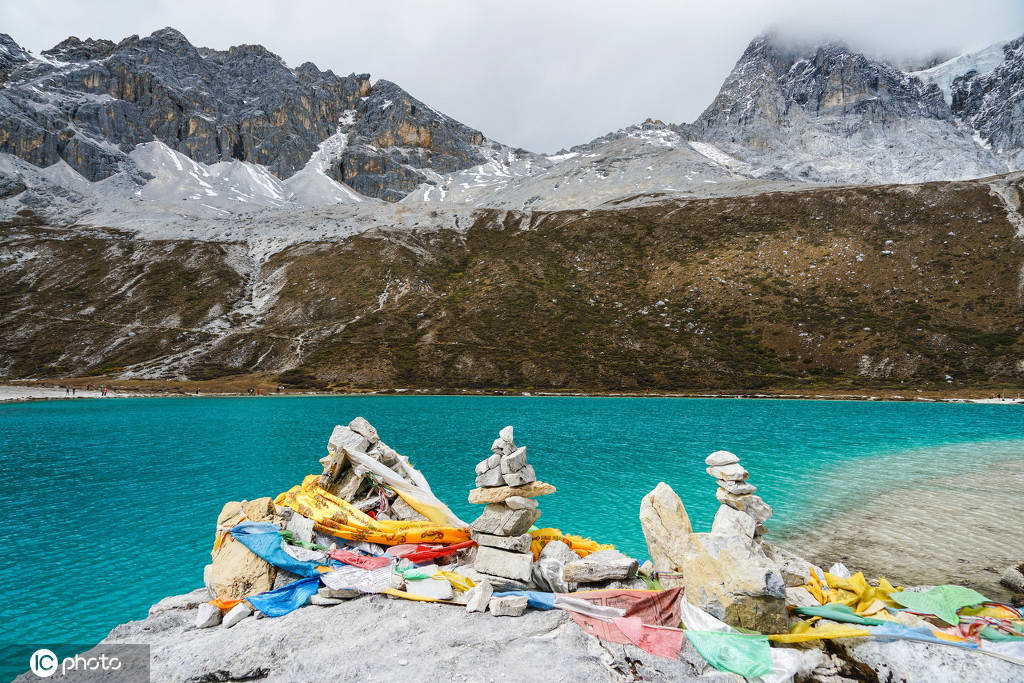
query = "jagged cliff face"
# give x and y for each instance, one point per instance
(90, 102)
(993, 103)
(829, 114)
(93, 101)
(396, 142)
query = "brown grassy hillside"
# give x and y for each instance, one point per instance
(839, 287)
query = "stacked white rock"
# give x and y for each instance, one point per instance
(506, 466)
(726, 572)
(348, 481)
(503, 558)
(736, 494)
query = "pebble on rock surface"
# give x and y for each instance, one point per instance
(478, 597)
(236, 614)
(508, 606)
(207, 615)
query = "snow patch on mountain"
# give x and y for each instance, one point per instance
(981, 62)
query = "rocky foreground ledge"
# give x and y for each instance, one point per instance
(379, 638)
(454, 607)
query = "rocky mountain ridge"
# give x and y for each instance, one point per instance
(90, 103)
(818, 114)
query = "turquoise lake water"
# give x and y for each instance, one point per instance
(111, 504)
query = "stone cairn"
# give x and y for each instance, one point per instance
(736, 493)
(351, 483)
(508, 486)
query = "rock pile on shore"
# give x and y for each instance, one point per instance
(350, 482)
(731, 573)
(504, 559)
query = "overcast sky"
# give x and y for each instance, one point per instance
(537, 74)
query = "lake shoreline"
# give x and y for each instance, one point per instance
(24, 392)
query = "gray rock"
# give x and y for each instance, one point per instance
(795, 570)
(491, 478)
(603, 565)
(740, 488)
(405, 512)
(478, 597)
(445, 642)
(236, 614)
(634, 584)
(784, 109)
(521, 503)
(501, 447)
(482, 466)
(908, 662)
(559, 551)
(733, 472)
(548, 569)
(719, 458)
(752, 505)
(348, 485)
(188, 601)
(1013, 579)
(384, 454)
(506, 435)
(321, 601)
(729, 520)
(989, 102)
(515, 461)
(345, 438)
(500, 583)
(515, 544)
(516, 566)
(301, 526)
(207, 616)
(499, 520)
(283, 578)
(338, 593)
(798, 596)
(523, 476)
(365, 429)
(508, 606)
(730, 578)
(666, 527)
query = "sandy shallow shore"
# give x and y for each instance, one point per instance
(26, 393)
(964, 529)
